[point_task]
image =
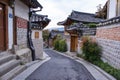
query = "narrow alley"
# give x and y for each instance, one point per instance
(59, 39)
(60, 68)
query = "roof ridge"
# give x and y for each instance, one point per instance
(83, 12)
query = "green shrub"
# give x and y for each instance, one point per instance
(92, 25)
(109, 69)
(56, 44)
(60, 45)
(91, 50)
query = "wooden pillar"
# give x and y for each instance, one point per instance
(5, 23)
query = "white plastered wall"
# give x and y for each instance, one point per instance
(33, 34)
(21, 10)
(118, 8)
(112, 4)
(10, 28)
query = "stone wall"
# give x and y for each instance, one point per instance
(67, 37)
(108, 38)
(21, 49)
(21, 25)
(22, 36)
(38, 44)
(22, 17)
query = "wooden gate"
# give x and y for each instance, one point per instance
(2, 28)
(74, 43)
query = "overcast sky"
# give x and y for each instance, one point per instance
(58, 10)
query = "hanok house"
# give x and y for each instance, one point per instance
(13, 22)
(74, 24)
(15, 27)
(108, 33)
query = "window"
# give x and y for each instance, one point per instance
(36, 35)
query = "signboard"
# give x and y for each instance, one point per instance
(10, 15)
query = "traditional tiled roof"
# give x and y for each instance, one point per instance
(84, 17)
(76, 26)
(110, 21)
(82, 28)
(39, 21)
(61, 23)
(32, 3)
(81, 17)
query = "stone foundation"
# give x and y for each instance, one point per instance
(110, 51)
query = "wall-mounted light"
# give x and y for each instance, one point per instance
(12, 3)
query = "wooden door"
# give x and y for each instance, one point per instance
(2, 28)
(74, 43)
(72, 49)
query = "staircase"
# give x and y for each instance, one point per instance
(9, 66)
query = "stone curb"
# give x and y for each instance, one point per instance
(105, 74)
(30, 70)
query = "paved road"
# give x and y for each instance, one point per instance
(60, 68)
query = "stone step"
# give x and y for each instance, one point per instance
(11, 74)
(8, 66)
(6, 58)
(5, 53)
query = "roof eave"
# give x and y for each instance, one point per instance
(32, 3)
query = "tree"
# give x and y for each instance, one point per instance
(45, 35)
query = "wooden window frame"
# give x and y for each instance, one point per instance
(37, 35)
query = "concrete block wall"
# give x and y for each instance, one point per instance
(108, 37)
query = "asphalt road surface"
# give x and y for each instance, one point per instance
(60, 68)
